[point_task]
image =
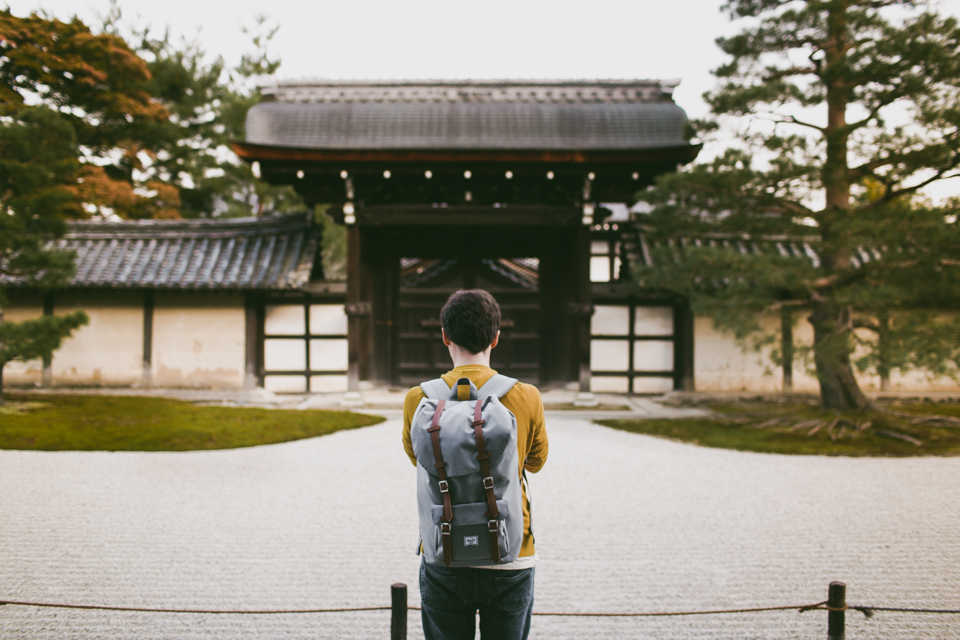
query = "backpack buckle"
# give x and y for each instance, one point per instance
(445, 528)
(493, 526)
(488, 483)
(444, 487)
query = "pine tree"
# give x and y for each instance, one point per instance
(207, 101)
(843, 112)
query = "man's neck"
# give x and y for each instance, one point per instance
(462, 357)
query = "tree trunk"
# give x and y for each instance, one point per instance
(831, 327)
(831, 354)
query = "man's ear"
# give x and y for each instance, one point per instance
(443, 334)
(496, 339)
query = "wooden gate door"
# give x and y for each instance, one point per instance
(425, 285)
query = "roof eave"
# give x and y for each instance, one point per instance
(681, 153)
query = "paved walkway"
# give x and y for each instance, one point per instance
(623, 523)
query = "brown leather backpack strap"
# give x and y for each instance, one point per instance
(447, 517)
(493, 526)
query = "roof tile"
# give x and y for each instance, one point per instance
(193, 254)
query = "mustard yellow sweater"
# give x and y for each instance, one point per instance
(523, 400)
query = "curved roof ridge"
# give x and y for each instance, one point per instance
(354, 82)
(569, 91)
(184, 227)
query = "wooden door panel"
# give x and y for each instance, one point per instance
(423, 356)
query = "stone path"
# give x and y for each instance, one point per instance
(623, 522)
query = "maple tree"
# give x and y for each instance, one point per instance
(67, 98)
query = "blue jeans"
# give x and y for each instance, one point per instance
(451, 597)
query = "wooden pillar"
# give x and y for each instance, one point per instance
(46, 379)
(583, 311)
(370, 260)
(786, 347)
(146, 379)
(355, 310)
(254, 313)
(683, 362)
(384, 273)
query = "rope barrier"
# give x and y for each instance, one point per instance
(866, 610)
(799, 608)
(213, 611)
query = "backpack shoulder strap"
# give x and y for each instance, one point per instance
(497, 386)
(435, 389)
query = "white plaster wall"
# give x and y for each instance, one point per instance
(912, 381)
(199, 340)
(23, 307)
(721, 365)
(109, 350)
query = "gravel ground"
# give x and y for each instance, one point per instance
(624, 523)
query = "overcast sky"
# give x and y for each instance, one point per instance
(449, 39)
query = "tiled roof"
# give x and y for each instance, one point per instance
(637, 246)
(639, 250)
(240, 253)
(519, 115)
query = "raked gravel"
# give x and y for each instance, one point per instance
(623, 523)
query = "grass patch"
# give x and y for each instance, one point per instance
(801, 429)
(12, 408)
(119, 423)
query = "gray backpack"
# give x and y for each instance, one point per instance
(468, 484)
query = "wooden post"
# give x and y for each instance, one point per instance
(883, 346)
(46, 380)
(398, 608)
(836, 620)
(786, 346)
(146, 379)
(253, 313)
(683, 335)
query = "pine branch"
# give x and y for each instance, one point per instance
(780, 304)
(891, 194)
(794, 120)
(780, 74)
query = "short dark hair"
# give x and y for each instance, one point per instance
(471, 319)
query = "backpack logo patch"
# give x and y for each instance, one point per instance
(471, 541)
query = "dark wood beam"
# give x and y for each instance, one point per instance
(462, 215)
(255, 152)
